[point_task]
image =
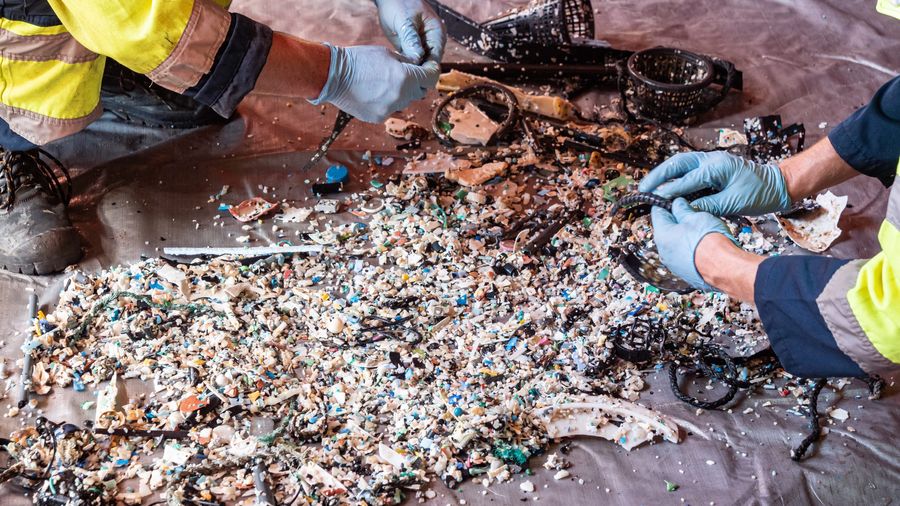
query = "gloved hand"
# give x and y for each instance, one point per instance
(677, 235)
(371, 82)
(413, 28)
(745, 188)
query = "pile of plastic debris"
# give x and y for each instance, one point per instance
(426, 340)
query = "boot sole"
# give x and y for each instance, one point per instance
(46, 267)
(40, 268)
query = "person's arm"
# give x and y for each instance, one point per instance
(727, 267)
(294, 67)
(812, 171)
(197, 48)
(193, 47)
(827, 316)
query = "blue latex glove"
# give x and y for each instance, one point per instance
(413, 28)
(744, 188)
(677, 235)
(371, 82)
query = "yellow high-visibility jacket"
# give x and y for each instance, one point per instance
(52, 56)
(831, 317)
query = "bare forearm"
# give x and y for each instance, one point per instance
(814, 170)
(726, 266)
(295, 67)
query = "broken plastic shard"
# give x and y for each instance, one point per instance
(544, 105)
(471, 125)
(816, 229)
(436, 163)
(294, 214)
(176, 454)
(405, 130)
(252, 209)
(475, 177)
(622, 422)
(106, 398)
(327, 206)
(839, 414)
(391, 456)
(729, 137)
(314, 474)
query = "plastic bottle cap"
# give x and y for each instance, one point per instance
(336, 174)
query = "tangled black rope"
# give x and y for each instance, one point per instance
(16, 166)
(636, 341)
(811, 393)
(713, 362)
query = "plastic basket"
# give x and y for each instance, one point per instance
(547, 22)
(673, 85)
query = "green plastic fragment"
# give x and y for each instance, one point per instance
(651, 289)
(609, 189)
(586, 221)
(604, 273)
(376, 183)
(510, 453)
(671, 487)
(446, 126)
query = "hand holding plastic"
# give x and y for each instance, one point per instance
(677, 235)
(371, 82)
(413, 28)
(745, 188)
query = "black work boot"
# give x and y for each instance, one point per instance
(134, 98)
(36, 236)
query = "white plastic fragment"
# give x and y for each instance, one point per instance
(839, 414)
(294, 214)
(625, 423)
(390, 456)
(816, 230)
(561, 475)
(176, 454)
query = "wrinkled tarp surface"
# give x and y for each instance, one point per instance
(812, 61)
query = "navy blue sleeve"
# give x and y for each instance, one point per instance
(237, 66)
(869, 140)
(786, 289)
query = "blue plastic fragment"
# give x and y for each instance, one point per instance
(512, 343)
(77, 384)
(336, 174)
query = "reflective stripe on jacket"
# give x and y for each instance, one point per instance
(861, 302)
(52, 55)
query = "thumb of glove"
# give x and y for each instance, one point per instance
(661, 219)
(681, 209)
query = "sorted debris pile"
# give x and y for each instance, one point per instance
(472, 312)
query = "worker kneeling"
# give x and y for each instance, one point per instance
(824, 316)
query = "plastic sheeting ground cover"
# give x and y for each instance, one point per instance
(810, 61)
